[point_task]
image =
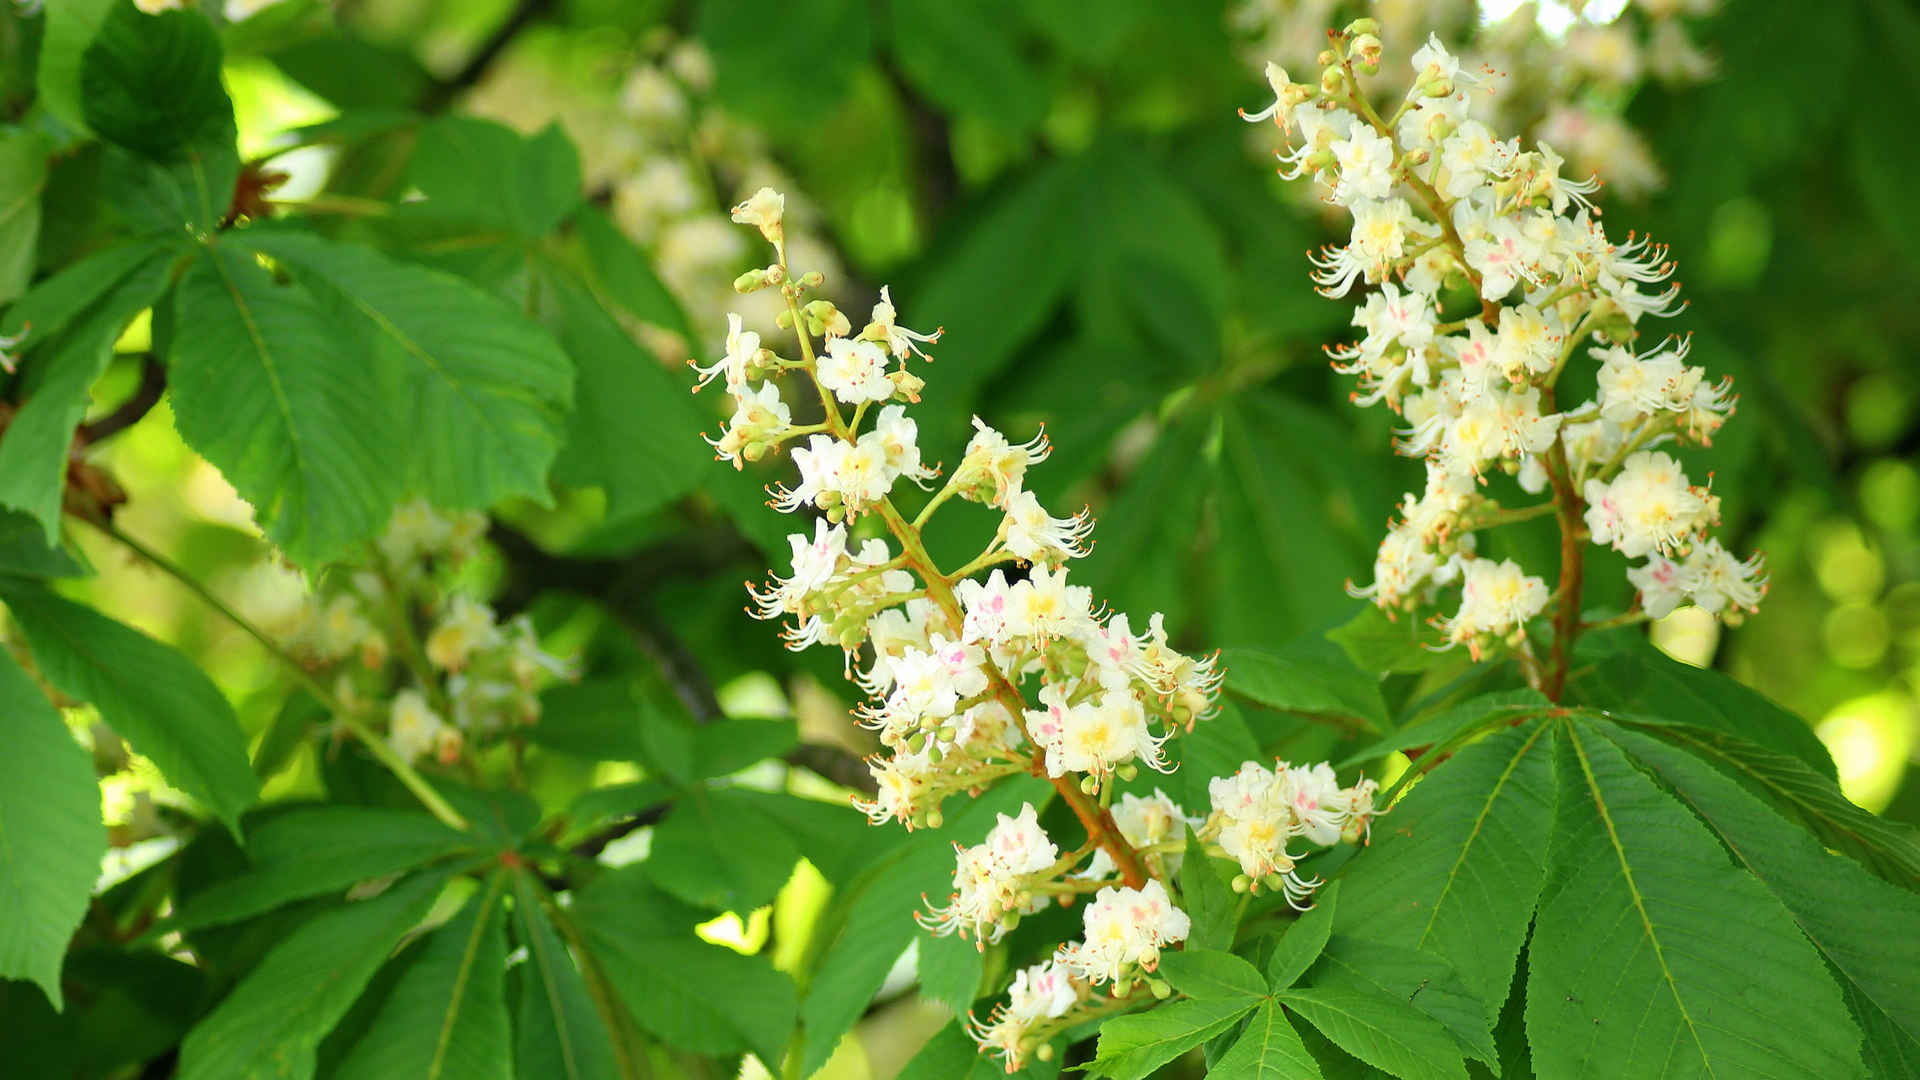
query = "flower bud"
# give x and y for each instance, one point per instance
(1366, 48)
(1364, 26)
(783, 319)
(906, 385)
(1333, 81)
(776, 274)
(1161, 988)
(812, 279)
(751, 281)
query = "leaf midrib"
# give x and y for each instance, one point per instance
(1633, 889)
(1479, 821)
(482, 920)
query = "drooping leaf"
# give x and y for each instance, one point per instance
(1132, 1047)
(320, 849)
(446, 1019)
(1301, 945)
(635, 433)
(1209, 973)
(51, 839)
(59, 372)
(23, 173)
(153, 696)
(556, 1032)
(1269, 1049)
(693, 995)
(151, 83)
(486, 390)
(1868, 930)
(1643, 680)
(295, 417)
(1644, 916)
(269, 1027)
(1310, 676)
(1422, 979)
(1384, 1032)
(1455, 868)
(1889, 848)
(24, 551)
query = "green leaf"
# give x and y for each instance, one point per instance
(1269, 1049)
(294, 417)
(1868, 930)
(1646, 681)
(1301, 945)
(51, 305)
(173, 202)
(531, 184)
(1422, 979)
(1504, 706)
(951, 1055)
(1386, 1033)
(151, 695)
(1889, 848)
(754, 41)
(1206, 898)
(693, 995)
(24, 551)
(151, 83)
(70, 29)
(556, 1031)
(619, 275)
(698, 854)
(1686, 963)
(623, 392)
(950, 971)
(51, 839)
(486, 390)
(965, 57)
(1379, 642)
(59, 372)
(23, 173)
(272, 1023)
(447, 1016)
(1310, 676)
(1456, 867)
(873, 921)
(1132, 1047)
(1217, 747)
(1210, 973)
(313, 850)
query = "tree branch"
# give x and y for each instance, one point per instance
(442, 94)
(153, 383)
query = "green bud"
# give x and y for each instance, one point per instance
(751, 281)
(1090, 785)
(934, 819)
(1241, 883)
(1044, 1052)
(812, 279)
(1127, 771)
(1366, 26)
(1366, 48)
(1332, 81)
(783, 320)
(776, 274)
(1161, 988)
(754, 451)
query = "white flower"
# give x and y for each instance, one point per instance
(1721, 583)
(1045, 991)
(1497, 598)
(764, 210)
(1648, 507)
(1033, 535)
(1096, 735)
(742, 346)
(1044, 606)
(759, 421)
(413, 728)
(855, 371)
(1125, 930)
(900, 340)
(992, 880)
(1366, 160)
(1143, 822)
(993, 469)
(466, 628)
(1286, 95)
(1661, 586)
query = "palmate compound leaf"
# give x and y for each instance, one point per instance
(270, 1026)
(1132, 1047)
(268, 389)
(1207, 974)
(446, 1018)
(557, 1033)
(1455, 868)
(486, 392)
(1301, 945)
(1654, 955)
(51, 839)
(149, 693)
(1868, 930)
(1422, 979)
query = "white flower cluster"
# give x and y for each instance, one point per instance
(1257, 812)
(1565, 70)
(472, 676)
(1492, 271)
(999, 667)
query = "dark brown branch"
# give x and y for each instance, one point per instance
(443, 93)
(153, 383)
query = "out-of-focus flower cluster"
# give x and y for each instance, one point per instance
(681, 160)
(998, 667)
(1491, 274)
(1566, 71)
(403, 638)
